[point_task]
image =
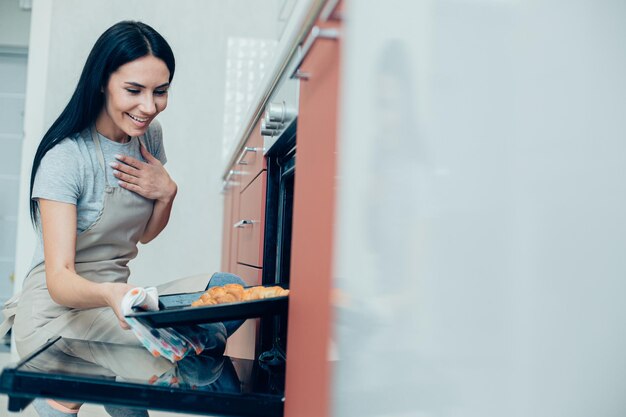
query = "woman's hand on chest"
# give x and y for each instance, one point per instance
(148, 179)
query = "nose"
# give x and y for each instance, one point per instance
(147, 105)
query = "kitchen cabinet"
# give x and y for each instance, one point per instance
(308, 335)
(250, 224)
(227, 225)
(242, 235)
(249, 165)
(251, 161)
(311, 219)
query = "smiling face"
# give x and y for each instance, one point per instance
(135, 94)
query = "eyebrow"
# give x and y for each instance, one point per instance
(143, 86)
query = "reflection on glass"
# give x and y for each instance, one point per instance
(134, 364)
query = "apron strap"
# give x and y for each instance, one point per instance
(8, 320)
(8, 314)
(99, 154)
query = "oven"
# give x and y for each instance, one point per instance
(281, 168)
(129, 376)
(278, 129)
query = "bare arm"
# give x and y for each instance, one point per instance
(150, 180)
(159, 218)
(66, 287)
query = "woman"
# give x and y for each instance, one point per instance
(98, 187)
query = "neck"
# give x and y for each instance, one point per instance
(106, 127)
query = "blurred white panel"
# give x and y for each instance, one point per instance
(8, 229)
(26, 4)
(9, 190)
(12, 73)
(481, 230)
(11, 146)
(12, 113)
(14, 25)
(12, 96)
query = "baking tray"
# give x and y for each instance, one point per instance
(175, 310)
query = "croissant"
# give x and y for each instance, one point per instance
(234, 289)
(231, 293)
(215, 291)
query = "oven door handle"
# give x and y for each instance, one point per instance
(316, 33)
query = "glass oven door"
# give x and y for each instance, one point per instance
(122, 375)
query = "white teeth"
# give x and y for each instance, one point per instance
(137, 118)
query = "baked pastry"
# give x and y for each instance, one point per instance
(234, 289)
(231, 293)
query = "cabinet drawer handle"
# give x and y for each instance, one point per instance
(316, 33)
(227, 181)
(247, 149)
(242, 223)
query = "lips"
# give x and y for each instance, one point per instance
(141, 121)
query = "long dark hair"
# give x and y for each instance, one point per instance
(122, 43)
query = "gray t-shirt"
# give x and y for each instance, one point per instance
(70, 173)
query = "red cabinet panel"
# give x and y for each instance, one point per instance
(227, 228)
(251, 275)
(234, 210)
(251, 160)
(308, 369)
(251, 222)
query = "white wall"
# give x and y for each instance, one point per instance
(34, 127)
(15, 24)
(63, 32)
(14, 32)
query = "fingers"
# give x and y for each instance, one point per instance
(125, 177)
(125, 168)
(131, 187)
(150, 180)
(129, 160)
(130, 183)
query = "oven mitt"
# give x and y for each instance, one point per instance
(172, 344)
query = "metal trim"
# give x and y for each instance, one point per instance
(279, 72)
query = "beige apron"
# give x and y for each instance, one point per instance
(102, 255)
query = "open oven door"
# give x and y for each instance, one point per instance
(129, 376)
